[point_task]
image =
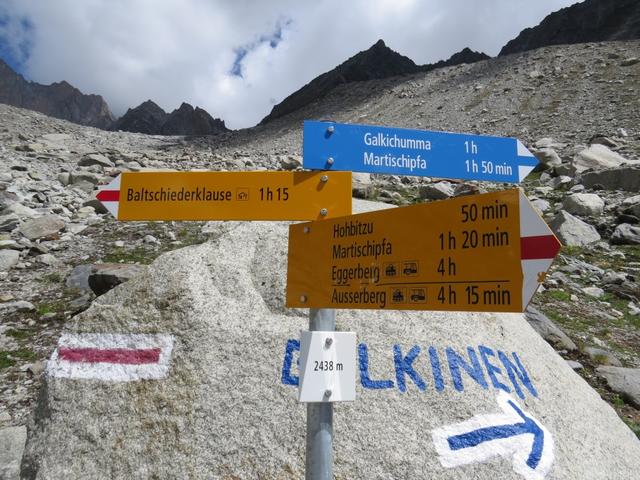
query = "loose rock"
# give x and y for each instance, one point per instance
(625, 381)
(8, 259)
(105, 276)
(548, 330)
(572, 231)
(626, 234)
(43, 227)
(602, 357)
(587, 204)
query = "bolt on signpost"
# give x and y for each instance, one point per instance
(490, 252)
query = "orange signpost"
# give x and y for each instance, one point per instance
(260, 195)
(476, 253)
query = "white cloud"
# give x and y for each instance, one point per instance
(184, 50)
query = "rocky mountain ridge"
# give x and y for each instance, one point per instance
(587, 21)
(59, 100)
(377, 62)
(150, 119)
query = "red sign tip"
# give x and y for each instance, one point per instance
(108, 195)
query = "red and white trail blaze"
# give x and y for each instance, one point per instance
(109, 196)
(538, 248)
(111, 357)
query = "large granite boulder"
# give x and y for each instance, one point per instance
(203, 384)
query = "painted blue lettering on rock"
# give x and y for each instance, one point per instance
(435, 369)
(519, 371)
(404, 366)
(293, 345)
(365, 379)
(489, 363)
(492, 370)
(474, 370)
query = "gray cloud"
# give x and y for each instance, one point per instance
(236, 58)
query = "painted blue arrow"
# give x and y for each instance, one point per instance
(399, 151)
(486, 434)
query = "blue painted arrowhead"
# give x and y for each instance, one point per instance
(399, 151)
(486, 434)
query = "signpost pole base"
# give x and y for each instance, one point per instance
(319, 462)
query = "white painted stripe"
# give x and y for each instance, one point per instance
(523, 171)
(533, 272)
(523, 151)
(531, 224)
(111, 372)
(112, 207)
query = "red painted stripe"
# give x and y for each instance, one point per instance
(108, 195)
(540, 247)
(110, 355)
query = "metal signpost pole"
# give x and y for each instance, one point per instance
(319, 465)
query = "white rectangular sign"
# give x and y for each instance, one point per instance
(327, 366)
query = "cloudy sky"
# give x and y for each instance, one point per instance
(237, 58)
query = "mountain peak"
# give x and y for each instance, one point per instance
(588, 21)
(60, 100)
(149, 118)
(379, 61)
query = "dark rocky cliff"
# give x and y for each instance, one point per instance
(189, 121)
(149, 118)
(59, 100)
(589, 21)
(466, 55)
(145, 118)
(377, 62)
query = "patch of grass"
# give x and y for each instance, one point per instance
(24, 354)
(635, 428)
(572, 250)
(43, 309)
(622, 306)
(618, 401)
(19, 334)
(600, 359)
(55, 306)
(7, 358)
(558, 295)
(605, 332)
(135, 255)
(53, 277)
(188, 236)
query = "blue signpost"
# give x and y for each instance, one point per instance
(399, 151)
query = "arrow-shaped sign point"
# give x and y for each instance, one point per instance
(538, 247)
(514, 433)
(109, 195)
(401, 151)
(526, 161)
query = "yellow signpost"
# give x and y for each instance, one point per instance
(263, 195)
(478, 253)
